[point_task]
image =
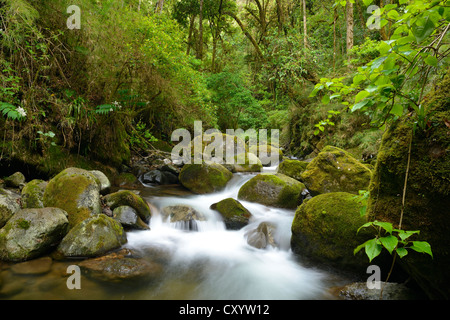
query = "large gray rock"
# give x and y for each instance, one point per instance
(204, 178)
(262, 236)
(32, 232)
(105, 184)
(15, 180)
(93, 237)
(129, 198)
(9, 204)
(185, 216)
(129, 218)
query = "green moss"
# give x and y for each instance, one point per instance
(204, 178)
(324, 228)
(335, 170)
(235, 215)
(276, 190)
(129, 198)
(23, 224)
(292, 168)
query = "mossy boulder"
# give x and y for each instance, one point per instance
(427, 199)
(335, 170)
(93, 237)
(75, 190)
(268, 154)
(129, 198)
(277, 190)
(234, 214)
(32, 232)
(292, 168)
(185, 217)
(15, 180)
(9, 204)
(245, 162)
(325, 229)
(33, 194)
(204, 178)
(105, 184)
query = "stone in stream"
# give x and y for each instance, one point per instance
(234, 214)
(15, 180)
(33, 194)
(9, 204)
(129, 198)
(184, 215)
(204, 178)
(30, 233)
(262, 236)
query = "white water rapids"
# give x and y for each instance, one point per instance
(215, 263)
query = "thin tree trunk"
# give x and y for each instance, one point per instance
(160, 6)
(305, 31)
(349, 26)
(200, 38)
(280, 15)
(191, 29)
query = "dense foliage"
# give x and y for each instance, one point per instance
(320, 71)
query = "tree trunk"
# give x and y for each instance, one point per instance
(191, 29)
(305, 31)
(280, 15)
(349, 26)
(160, 6)
(200, 38)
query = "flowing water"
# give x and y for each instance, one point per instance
(211, 263)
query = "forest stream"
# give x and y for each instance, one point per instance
(209, 263)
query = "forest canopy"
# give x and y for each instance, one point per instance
(323, 72)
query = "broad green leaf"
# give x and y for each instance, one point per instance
(365, 225)
(360, 105)
(325, 99)
(367, 2)
(385, 225)
(401, 252)
(389, 242)
(373, 249)
(361, 95)
(378, 62)
(358, 79)
(422, 246)
(423, 28)
(371, 88)
(431, 60)
(397, 110)
(406, 234)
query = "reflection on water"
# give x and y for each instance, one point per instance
(211, 263)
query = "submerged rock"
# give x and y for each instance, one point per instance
(391, 291)
(204, 178)
(335, 170)
(183, 214)
(76, 191)
(277, 190)
(262, 236)
(31, 232)
(33, 194)
(93, 237)
(120, 266)
(234, 214)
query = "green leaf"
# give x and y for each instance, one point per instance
(372, 248)
(431, 60)
(365, 225)
(422, 246)
(361, 95)
(401, 252)
(423, 28)
(360, 104)
(397, 110)
(325, 99)
(406, 234)
(378, 62)
(385, 225)
(389, 242)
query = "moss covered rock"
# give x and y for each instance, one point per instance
(234, 214)
(427, 200)
(324, 229)
(75, 190)
(93, 237)
(268, 154)
(9, 204)
(15, 180)
(335, 170)
(129, 218)
(292, 168)
(277, 190)
(32, 232)
(204, 178)
(33, 194)
(129, 198)
(246, 162)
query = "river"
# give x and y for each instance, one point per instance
(211, 263)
